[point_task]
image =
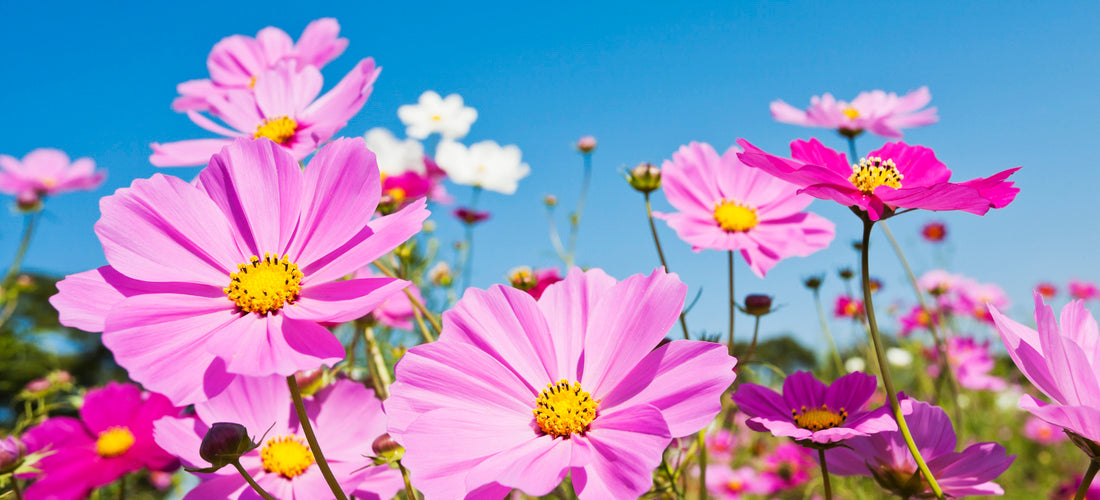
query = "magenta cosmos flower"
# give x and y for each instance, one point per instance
(725, 205)
(886, 458)
(1063, 362)
(1082, 290)
(232, 274)
(45, 172)
(811, 412)
(894, 176)
(283, 107)
(519, 393)
(876, 111)
(113, 437)
(236, 61)
(345, 415)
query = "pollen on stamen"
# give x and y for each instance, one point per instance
(280, 130)
(264, 285)
(821, 418)
(734, 217)
(564, 409)
(872, 172)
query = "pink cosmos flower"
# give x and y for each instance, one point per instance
(1046, 289)
(971, 362)
(1067, 490)
(543, 279)
(917, 319)
(1082, 290)
(894, 176)
(975, 298)
(788, 466)
(519, 393)
(813, 413)
(113, 437)
(283, 107)
(45, 172)
(934, 232)
(411, 185)
(237, 61)
(881, 113)
(345, 416)
(731, 484)
(720, 446)
(232, 275)
(1043, 432)
(848, 307)
(725, 205)
(886, 458)
(1062, 362)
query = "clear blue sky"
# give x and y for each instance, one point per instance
(1015, 83)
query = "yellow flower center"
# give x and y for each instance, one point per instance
(816, 419)
(872, 172)
(562, 409)
(851, 113)
(734, 217)
(288, 456)
(264, 285)
(436, 118)
(398, 194)
(735, 485)
(280, 129)
(114, 442)
(923, 318)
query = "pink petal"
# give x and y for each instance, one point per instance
(319, 43)
(287, 89)
(567, 306)
(625, 447)
(276, 344)
(258, 403)
(235, 60)
(274, 43)
(349, 419)
(339, 301)
(181, 437)
(535, 466)
(344, 100)
(185, 153)
(110, 406)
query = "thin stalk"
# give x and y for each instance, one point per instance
(701, 440)
(377, 364)
(752, 345)
(555, 238)
(349, 362)
(252, 482)
(1087, 481)
(468, 243)
(880, 356)
(410, 493)
(733, 299)
(852, 150)
(28, 231)
(825, 474)
(122, 488)
(15, 488)
(828, 333)
(311, 438)
(575, 217)
(661, 255)
(418, 306)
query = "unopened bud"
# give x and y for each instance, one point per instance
(12, 452)
(846, 273)
(522, 278)
(875, 284)
(550, 200)
(857, 245)
(758, 305)
(386, 450)
(440, 274)
(586, 145)
(814, 282)
(645, 177)
(224, 444)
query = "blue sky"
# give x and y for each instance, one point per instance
(1014, 84)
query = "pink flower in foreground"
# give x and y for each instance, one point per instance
(1082, 290)
(1063, 362)
(813, 413)
(113, 437)
(232, 275)
(886, 458)
(237, 61)
(1043, 432)
(894, 176)
(731, 484)
(881, 113)
(725, 205)
(345, 416)
(971, 362)
(519, 393)
(44, 172)
(284, 106)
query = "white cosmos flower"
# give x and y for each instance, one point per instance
(445, 116)
(854, 365)
(485, 164)
(395, 156)
(899, 357)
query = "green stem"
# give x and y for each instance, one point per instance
(575, 217)
(468, 244)
(661, 255)
(311, 438)
(252, 482)
(420, 311)
(555, 238)
(880, 356)
(733, 299)
(701, 440)
(28, 231)
(377, 364)
(825, 474)
(1087, 481)
(852, 150)
(122, 488)
(15, 488)
(752, 345)
(828, 333)
(410, 493)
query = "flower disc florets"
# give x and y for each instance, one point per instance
(562, 410)
(265, 285)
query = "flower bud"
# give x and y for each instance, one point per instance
(814, 282)
(224, 444)
(846, 273)
(386, 450)
(586, 145)
(522, 278)
(645, 177)
(550, 200)
(440, 274)
(470, 216)
(12, 452)
(874, 284)
(758, 305)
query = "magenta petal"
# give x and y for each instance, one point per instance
(995, 188)
(258, 186)
(758, 401)
(1081, 420)
(625, 447)
(814, 153)
(803, 389)
(319, 43)
(1024, 347)
(222, 486)
(630, 320)
(164, 229)
(185, 153)
(567, 306)
(110, 406)
(349, 419)
(339, 301)
(685, 380)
